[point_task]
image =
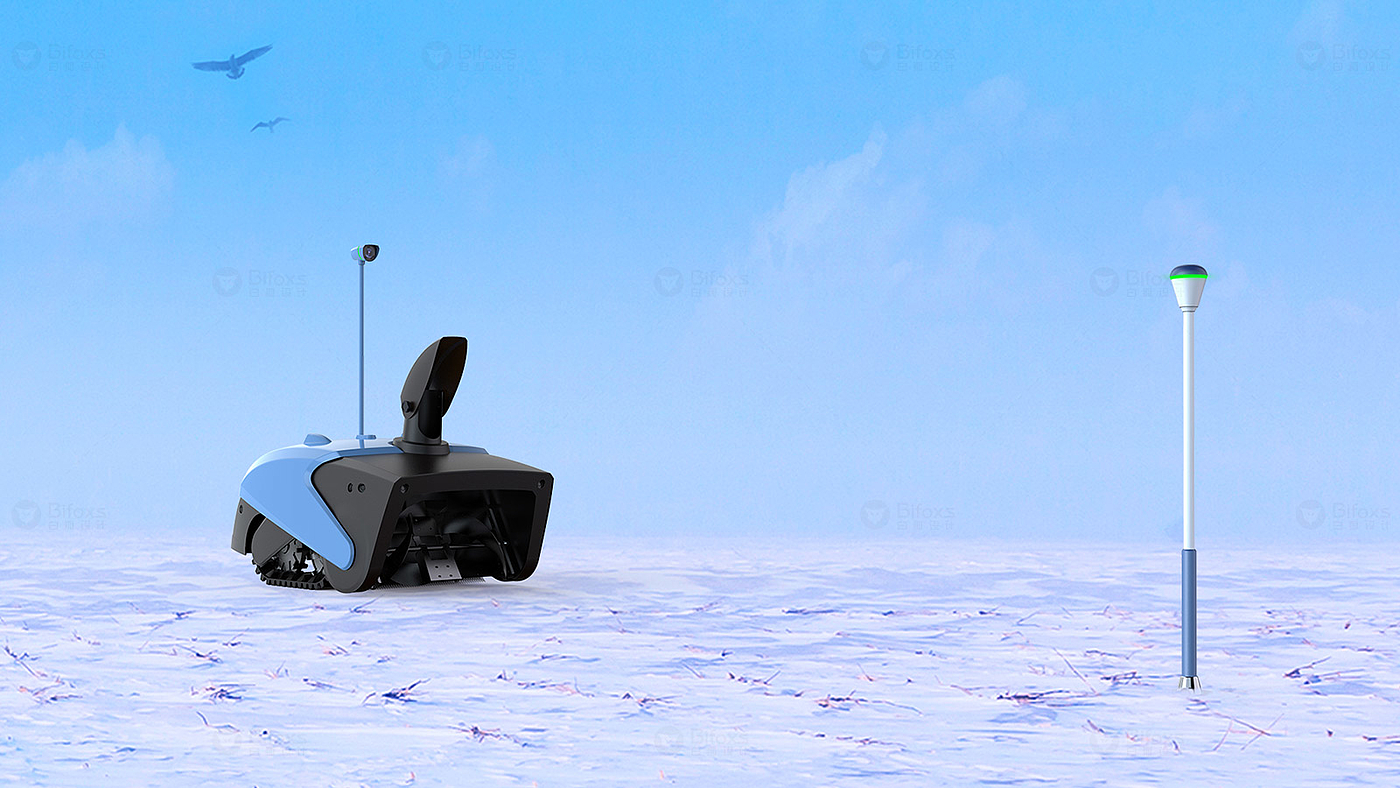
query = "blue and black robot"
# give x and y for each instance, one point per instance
(356, 514)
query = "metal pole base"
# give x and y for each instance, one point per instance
(1189, 683)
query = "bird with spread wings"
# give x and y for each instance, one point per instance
(234, 64)
(269, 124)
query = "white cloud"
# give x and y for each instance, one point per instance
(964, 243)
(817, 197)
(998, 101)
(467, 173)
(1205, 121)
(125, 180)
(1333, 311)
(876, 225)
(1321, 23)
(470, 159)
(1231, 283)
(994, 117)
(1180, 222)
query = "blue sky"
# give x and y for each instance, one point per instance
(816, 269)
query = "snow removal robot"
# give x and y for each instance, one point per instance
(356, 514)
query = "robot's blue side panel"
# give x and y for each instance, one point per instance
(279, 486)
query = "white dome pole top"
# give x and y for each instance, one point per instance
(1189, 281)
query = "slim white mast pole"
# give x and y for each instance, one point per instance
(1188, 430)
(1188, 281)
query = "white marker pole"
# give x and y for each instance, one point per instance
(1189, 281)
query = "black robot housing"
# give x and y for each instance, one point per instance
(356, 514)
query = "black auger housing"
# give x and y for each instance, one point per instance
(355, 514)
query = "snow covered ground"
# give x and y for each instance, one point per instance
(621, 663)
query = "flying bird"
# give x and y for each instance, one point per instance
(269, 124)
(234, 64)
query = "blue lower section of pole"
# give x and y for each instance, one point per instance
(1188, 613)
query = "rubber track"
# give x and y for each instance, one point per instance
(311, 581)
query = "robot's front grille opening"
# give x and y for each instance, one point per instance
(449, 536)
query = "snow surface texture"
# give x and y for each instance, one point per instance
(927, 663)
